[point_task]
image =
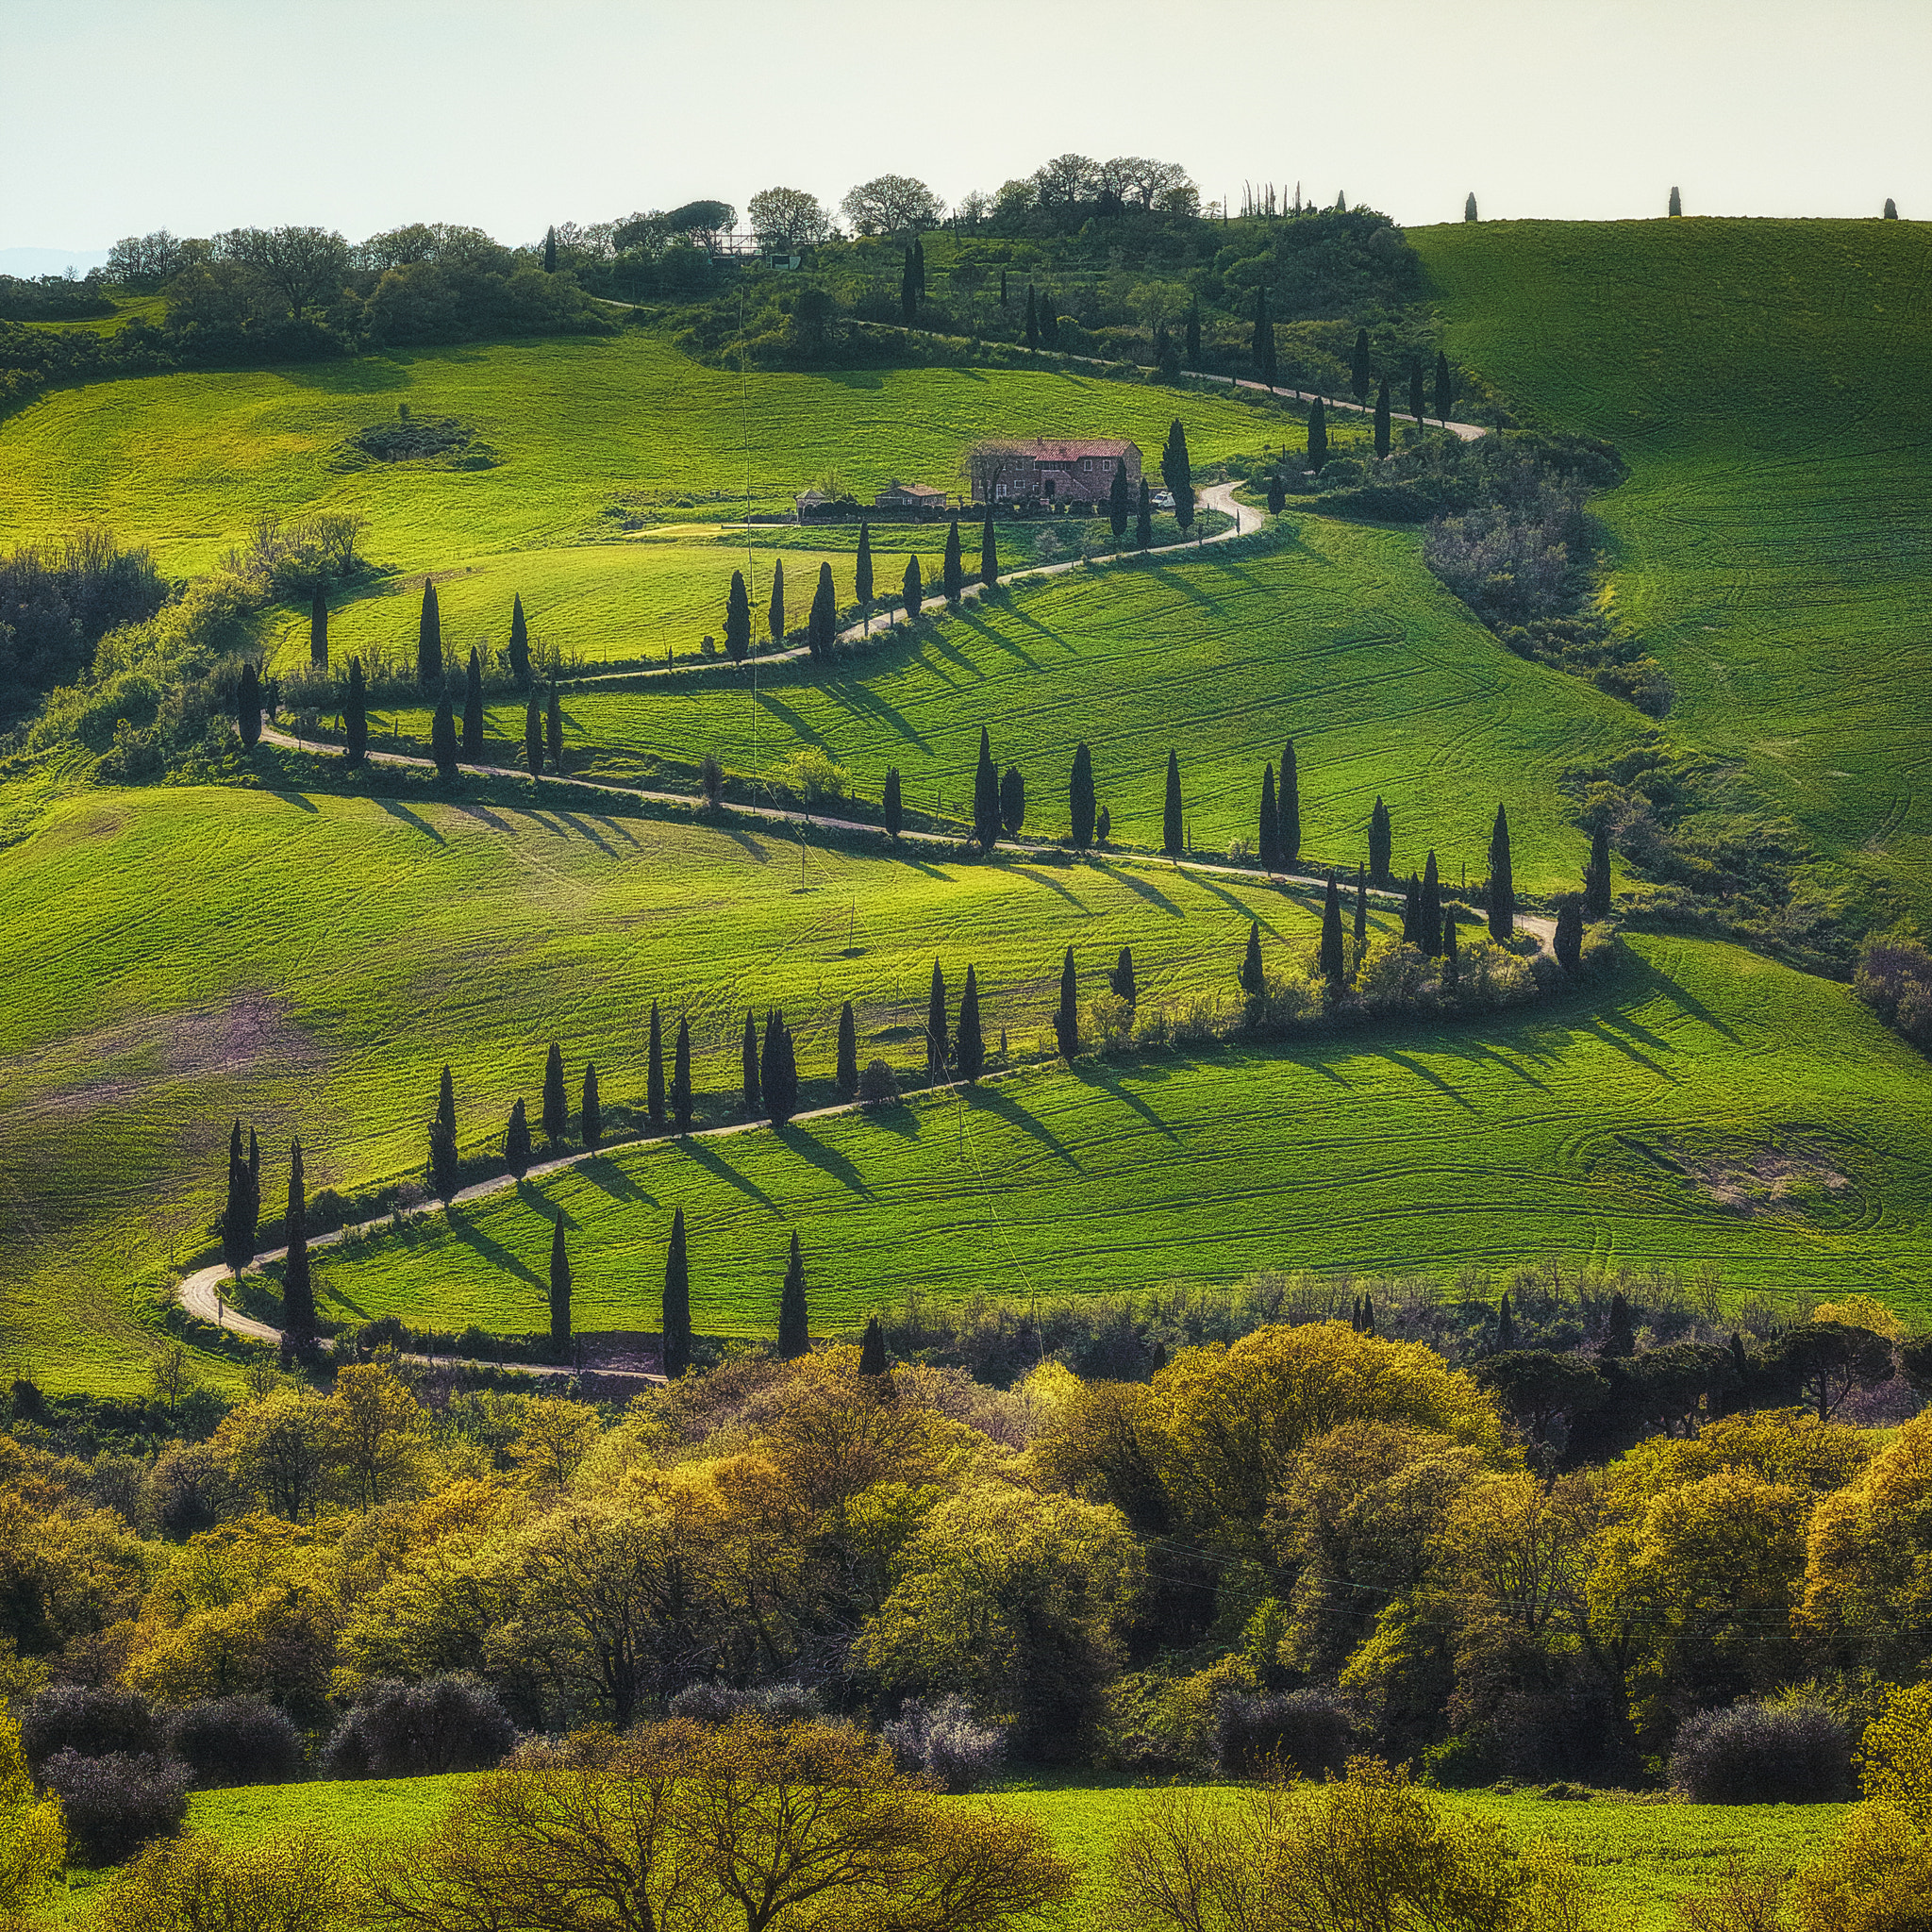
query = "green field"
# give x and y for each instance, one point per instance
(1770, 383)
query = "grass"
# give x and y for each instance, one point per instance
(1770, 383)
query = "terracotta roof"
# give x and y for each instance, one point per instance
(912, 489)
(1058, 451)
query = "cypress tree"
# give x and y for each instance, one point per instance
(1431, 908)
(473, 707)
(1143, 519)
(1451, 963)
(846, 1078)
(1412, 913)
(1251, 979)
(442, 739)
(919, 266)
(1596, 876)
(1418, 403)
(356, 717)
(533, 735)
(1193, 335)
(1569, 940)
(989, 553)
(1358, 366)
(1361, 912)
(1173, 831)
(1445, 390)
(1119, 504)
(890, 809)
(1505, 1325)
(1318, 436)
(1002, 288)
(1049, 323)
(1264, 340)
(862, 582)
(677, 1324)
(794, 1336)
(680, 1079)
(429, 639)
(298, 1291)
(252, 1205)
(1382, 419)
(318, 629)
(871, 1350)
(516, 1138)
(549, 251)
(593, 1110)
(654, 1071)
(908, 292)
(1381, 842)
(1278, 494)
(1032, 320)
(1469, 207)
(938, 1047)
(912, 590)
(1103, 825)
(249, 708)
(1676, 203)
(1012, 801)
(986, 795)
(970, 1045)
(1334, 958)
(1080, 797)
(1501, 880)
(519, 653)
(444, 1177)
(1066, 1016)
(1121, 978)
(748, 1058)
(1620, 1338)
(1270, 842)
(778, 1070)
(774, 611)
(737, 620)
(1177, 473)
(952, 568)
(238, 1230)
(553, 731)
(1368, 1314)
(559, 1286)
(821, 633)
(1891, 210)
(1290, 806)
(555, 1102)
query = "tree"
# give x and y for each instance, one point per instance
(1430, 934)
(787, 220)
(592, 1111)
(553, 730)
(1502, 881)
(560, 1287)
(254, 1201)
(1596, 875)
(737, 620)
(676, 1319)
(654, 1071)
(1278, 494)
(1269, 841)
(237, 1221)
(1417, 401)
(555, 1103)
(861, 585)
(680, 1078)
(248, 706)
(1066, 1015)
(821, 632)
(1361, 912)
(1445, 388)
(1412, 914)
(298, 1291)
(472, 709)
(1381, 842)
(1177, 473)
(1469, 207)
(519, 652)
(1334, 958)
(550, 251)
(1620, 1337)
(356, 717)
(1289, 805)
(953, 571)
(1891, 210)
(1193, 334)
(1012, 801)
(775, 610)
(938, 1047)
(778, 1070)
(1032, 326)
(1173, 831)
(442, 739)
(516, 1138)
(795, 1334)
(1252, 979)
(986, 795)
(873, 1359)
(970, 1045)
(1120, 505)
(990, 552)
(1358, 366)
(1569, 940)
(1049, 323)
(1080, 797)
(444, 1177)
(911, 589)
(752, 1091)
(301, 265)
(429, 639)
(1676, 203)
(1382, 419)
(892, 205)
(890, 809)
(846, 1076)
(318, 629)
(1120, 978)
(1318, 435)
(1264, 339)
(533, 737)
(1143, 519)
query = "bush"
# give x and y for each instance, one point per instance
(405, 1730)
(718, 1703)
(237, 1740)
(116, 1802)
(878, 1086)
(1310, 1733)
(946, 1742)
(195, 1883)
(86, 1722)
(1760, 1754)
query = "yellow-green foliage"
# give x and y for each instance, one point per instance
(33, 1842)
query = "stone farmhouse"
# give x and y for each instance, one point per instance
(1079, 471)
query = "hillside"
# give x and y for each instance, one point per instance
(1770, 384)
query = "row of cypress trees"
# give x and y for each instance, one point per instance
(430, 659)
(241, 1225)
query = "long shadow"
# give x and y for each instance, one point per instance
(1047, 879)
(462, 1229)
(925, 866)
(1651, 981)
(744, 841)
(1482, 1052)
(1111, 1084)
(471, 811)
(617, 828)
(1143, 888)
(862, 701)
(790, 719)
(607, 1177)
(992, 1101)
(530, 1193)
(294, 798)
(1228, 898)
(827, 1160)
(579, 825)
(903, 1121)
(1435, 1080)
(1595, 1028)
(708, 1159)
(409, 818)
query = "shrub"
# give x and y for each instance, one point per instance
(237, 1740)
(116, 1802)
(405, 1730)
(88, 1721)
(1896, 981)
(878, 1086)
(1759, 1754)
(946, 1742)
(1107, 1022)
(718, 1703)
(1310, 1733)
(811, 775)
(195, 1884)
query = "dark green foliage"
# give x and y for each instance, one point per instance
(846, 1078)
(1049, 323)
(1177, 473)
(1412, 913)
(1289, 805)
(1318, 435)
(871, 1350)
(1032, 326)
(710, 779)
(473, 707)
(1381, 843)
(1501, 880)
(1620, 1338)
(248, 706)
(654, 1071)
(442, 738)
(1506, 1325)
(1429, 924)
(1676, 203)
(1269, 844)
(1143, 518)
(986, 795)
(429, 639)
(748, 1069)
(356, 716)
(1264, 340)
(593, 1123)
(1252, 981)
(1120, 978)
(1103, 825)
(1361, 910)
(1193, 334)
(1334, 956)
(1469, 207)
(1450, 966)
(253, 1184)
(677, 1321)
(1445, 388)
(1382, 419)
(1359, 374)
(238, 1224)
(938, 1046)
(1173, 830)
(737, 620)
(559, 1284)
(553, 731)
(555, 1102)
(1569, 940)
(989, 553)
(908, 292)
(1080, 796)
(1596, 875)
(1002, 288)
(1120, 505)
(911, 589)
(1891, 210)
(298, 1291)
(444, 1177)
(794, 1333)
(822, 628)
(890, 809)
(1012, 801)
(549, 251)
(1418, 403)
(861, 581)
(318, 629)
(533, 735)
(680, 1079)
(1278, 494)
(774, 611)
(516, 1138)
(778, 1069)
(519, 641)
(952, 569)
(1368, 1315)
(1066, 1015)
(969, 1046)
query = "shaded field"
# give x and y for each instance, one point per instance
(1770, 383)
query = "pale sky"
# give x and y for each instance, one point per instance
(118, 116)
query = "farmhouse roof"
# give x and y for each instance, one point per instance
(1061, 450)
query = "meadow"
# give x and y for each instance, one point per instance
(1770, 383)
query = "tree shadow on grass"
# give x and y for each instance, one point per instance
(1598, 1029)
(1047, 879)
(1144, 888)
(901, 1120)
(1434, 1079)
(470, 809)
(828, 1161)
(714, 1164)
(863, 702)
(607, 1177)
(294, 798)
(1651, 982)
(791, 721)
(1002, 1107)
(1098, 1073)
(1215, 889)
(467, 1234)
(583, 831)
(410, 818)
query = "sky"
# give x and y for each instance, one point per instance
(121, 116)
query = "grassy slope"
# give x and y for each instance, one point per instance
(311, 964)
(188, 461)
(1771, 384)
(1428, 1149)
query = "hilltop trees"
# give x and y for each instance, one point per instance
(1891, 210)
(1469, 207)
(969, 1050)
(737, 620)
(891, 808)
(1318, 436)
(680, 1078)
(555, 1102)
(519, 649)
(986, 795)
(1080, 796)
(1173, 830)
(1177, 473)
(1290, 806)
(654, 1073)
(550, 251)
(1066, 1015)
(774, 611)
(442, 739)
(318, 630)
(1381, 843)
(248, 706)
(794, 1332)
(356, 717)
(1502, 881)
(444, 1177)
(473, 707)
(989, 553)
(298, 1291)
(937, 1045)
(952, 569)
(559, 1286)
(846, 1076)
(676, 1316)
(428, 638)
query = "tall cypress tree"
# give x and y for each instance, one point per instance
(778, 1070)
(1290, 806)
(986, 795)
(1596, 876)
(555, 1102)
(795, 1334)
(1119, 504)
(938, 1047)
(593, 1108)
(1120, 978)
(442, 739)
(1891, 210)
(1081, 798)
(1177, 473)
(1318, 436)
(1143, 519)
(892, 808)
(654, 1071)
(1252, 981)
(1431, 919)
(1358, 366)
(737, 620)
(1066, 1015)
(953, 568)
(680, 1079)
(1445, 390)
(473, 707)
(444, 1177)
(1012, 801)
(1505, 1324)
(1569, 938)
(318, 629)
(871, 1350)
(1412, 913)
(969, 1050)
(748, 1070)
(774, 611)
(253, 1204)
(428, 638)
(1264, 340)
(553, 730)
(1381, 842)
(1382, 426)
(550, 251)
(861, 581)
(1270, 840)
(912, 590)
(237, 1228)
(1173, 830)
(1334, 957)
(1418, 403)
(519, 652)
(1501, 880)
(821, 633)
(846, 1078)
(989, 553)
(559, 1286)
(1620, 1338)
(1676, 203)
(1193, 334)
(677, 1321)
(533, 735)
(1032, 335)
(1049, 323)
(516, 1138)
(1469, 207)
(356, 716)
(298, 1291)
(248, 706)
(1362, 910)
